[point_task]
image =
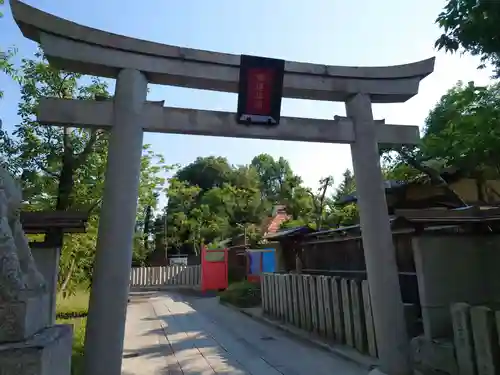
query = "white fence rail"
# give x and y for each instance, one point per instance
(168, 275)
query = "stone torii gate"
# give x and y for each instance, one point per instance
(134, 63)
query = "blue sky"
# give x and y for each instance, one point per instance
(334, 32)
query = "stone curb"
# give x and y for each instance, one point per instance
(349, 354)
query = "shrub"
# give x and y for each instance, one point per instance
(242, 294)
(73, 310)
(74, 306)
(78, 343)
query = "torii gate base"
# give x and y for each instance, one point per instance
(134, 63)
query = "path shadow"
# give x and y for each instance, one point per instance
(179, 352)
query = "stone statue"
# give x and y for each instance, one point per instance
(19, 276)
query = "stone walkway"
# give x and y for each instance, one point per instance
(171, 333)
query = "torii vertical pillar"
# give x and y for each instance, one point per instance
(110, 278)
(380, 256)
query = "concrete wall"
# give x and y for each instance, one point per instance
(467, 189)
(455, 268)
(47, 261)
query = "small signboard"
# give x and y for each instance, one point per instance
(260, 90)
(178, 260)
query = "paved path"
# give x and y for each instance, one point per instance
(174, 334)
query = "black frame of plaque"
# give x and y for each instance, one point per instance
(254, 62)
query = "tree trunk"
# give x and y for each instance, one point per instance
(479, 179)
(67, 279)
(434, 176)
(65, 186)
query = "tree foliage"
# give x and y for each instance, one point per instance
(463, 128)
(347, 186)
(62, 168)
(472, 26)
(211, 200)
(6, 65)
(461, 134)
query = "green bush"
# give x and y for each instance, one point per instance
(78, 343)
(73, 306)
(242, 294)
(73, 310)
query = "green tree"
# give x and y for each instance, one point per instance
(206, 173)
(307, 207)
(277, 180)
(299, 204)
(472, 26)
(346, 187)
(346, 214)
(182, 198)
(55, 158)
(243, 205)
(6, 65)
(160, 242)
(320, 201)
(462, 131)
(210, 200)
(62, 168)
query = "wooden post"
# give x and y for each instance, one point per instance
(338, 310)
(314, 304)
(347, 307)
(486, 347)
(370, 329)
(321, 306)
(307, 303)
(327, 302)
(358, 316)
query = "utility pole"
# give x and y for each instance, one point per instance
(165, 242)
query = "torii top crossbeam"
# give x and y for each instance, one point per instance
(85, 50)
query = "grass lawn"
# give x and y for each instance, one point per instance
(73, 310)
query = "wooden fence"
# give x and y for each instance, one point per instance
(476, 332)
(335, 308)
(168, 275)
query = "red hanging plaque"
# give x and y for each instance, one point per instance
(260, 90)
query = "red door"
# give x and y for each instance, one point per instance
(214, 269)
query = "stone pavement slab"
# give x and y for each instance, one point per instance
(169, 333)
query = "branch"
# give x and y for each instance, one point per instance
(313, 197)
(45, 169)
(82, 156)
(62, 93)
(94, 206)
(325, 186)
(434, 175)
